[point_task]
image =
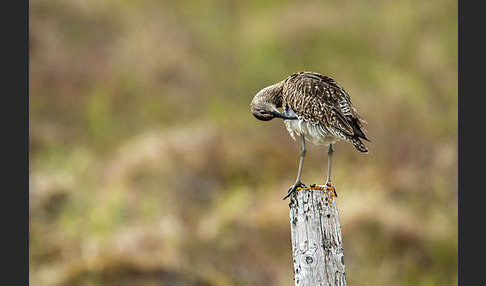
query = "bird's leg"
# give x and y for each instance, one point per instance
(298, 183)
(330, 152)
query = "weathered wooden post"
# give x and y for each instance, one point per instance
(317, 245)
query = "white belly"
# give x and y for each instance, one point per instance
(316, 133)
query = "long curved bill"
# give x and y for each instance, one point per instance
(282, 116)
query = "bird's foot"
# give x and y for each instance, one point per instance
(294, 187)
(329, 187)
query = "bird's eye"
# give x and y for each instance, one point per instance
(262, 111)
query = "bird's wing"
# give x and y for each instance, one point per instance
(320, 99)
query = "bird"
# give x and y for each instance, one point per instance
(314, 107)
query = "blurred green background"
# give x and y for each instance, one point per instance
(146, 166)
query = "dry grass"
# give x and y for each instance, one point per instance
(147, 168)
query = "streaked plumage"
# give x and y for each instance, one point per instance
(324, 110)
(314, 107)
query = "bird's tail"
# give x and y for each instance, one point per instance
(359, 145)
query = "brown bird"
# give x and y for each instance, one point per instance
(314, 107)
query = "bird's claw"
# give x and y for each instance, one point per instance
(331, 188)
(293, 188)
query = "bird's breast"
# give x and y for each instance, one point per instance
(316, 133)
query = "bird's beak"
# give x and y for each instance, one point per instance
(280, 115)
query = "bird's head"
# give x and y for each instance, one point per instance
(263, 111)
(265, 103)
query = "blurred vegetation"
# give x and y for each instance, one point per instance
(146, 166)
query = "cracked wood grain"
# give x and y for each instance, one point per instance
(317, 246)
